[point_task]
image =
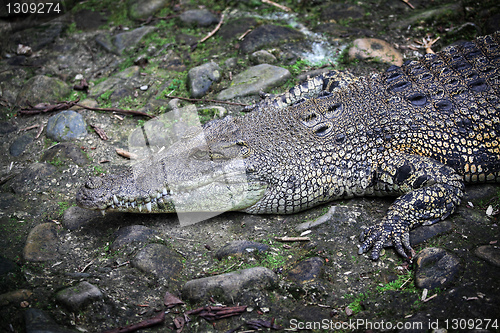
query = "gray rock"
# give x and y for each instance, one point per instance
(65, 126)
(132, 234)
(489, 253)
(159, 260)
(42, 243)
(255, 79)
(198, 17)
(7, 127)
(200, 78)
(269, 35)
(435, 268)
(87, 19)
(127, 79)
(33, 176)
(139, 9)
(231, 63)
(42, 89)
(239, 248)
(77, 297)
(37, 321)
(65, 151)
(19, 145)
(75, 217)
(262, 57)
(235, 28)
(230, 287)
(119, 43)
(307, 271)
(425, 232)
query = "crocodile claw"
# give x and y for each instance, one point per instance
(386, 234)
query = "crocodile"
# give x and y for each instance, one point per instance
(418, 132)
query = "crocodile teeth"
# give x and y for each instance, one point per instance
(115, 199)
(140, 208)
(103, 212)
(148, 206)
(165, 192)
(132, 204)
(158, 195)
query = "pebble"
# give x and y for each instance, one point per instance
(142, 9)
(489, 253)
(34, 175)
(307, 271)
(119, 43)
(200, 78)
(425, 232)
(132, 234)
(255, 79)
(375, 49)
(269, 35)
(66, 125)
(159, 260)
(43, 89)
(230, 287)
(239, 248)
(65, 151)
(262, 57)
(198, 17)
(79, 296)
(42, 243)
(75, 217)
(37, 321)
(435, 268)
(19, 145)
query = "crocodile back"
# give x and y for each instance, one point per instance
(444, 106)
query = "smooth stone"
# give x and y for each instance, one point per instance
(37, 321)
(15, 297)
(66, 125)
(122, 41)
(126, 79)
(233, 29)
(132, 234)
(87, 19)
(43, 89)
(489, 253)
(255, 79)
(262, 57)
(425, 232)
(269, 35)
(141, 9)
(76, 217)
(435, 268)
(159, 260)
(306, 271)
(376, 50)
(230, 287)
(6, 127)
(42, 243)
(34, 175)
(200, 78)
(77, 297)
(19, 145)
(65, 151)
(335, 12)
(198, 17)
(239, 248)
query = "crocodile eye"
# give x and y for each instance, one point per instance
(199, 154)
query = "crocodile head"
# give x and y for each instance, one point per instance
(208, 169)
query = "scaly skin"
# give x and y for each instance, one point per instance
(417, 132)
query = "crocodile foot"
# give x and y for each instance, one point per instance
(389, 233)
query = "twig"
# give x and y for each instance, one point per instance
(213, 31)
(28, 128)
(285, 8)
(408, 3)
(87, 266)
(206, 100)
(132, 112)
(244, 34)
(292, 239)
(158, 319)
(40, 130)
(126, 154)
(100, 132)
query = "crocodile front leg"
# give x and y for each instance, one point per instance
(430, 191)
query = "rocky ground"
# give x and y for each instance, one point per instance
(65, 269)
